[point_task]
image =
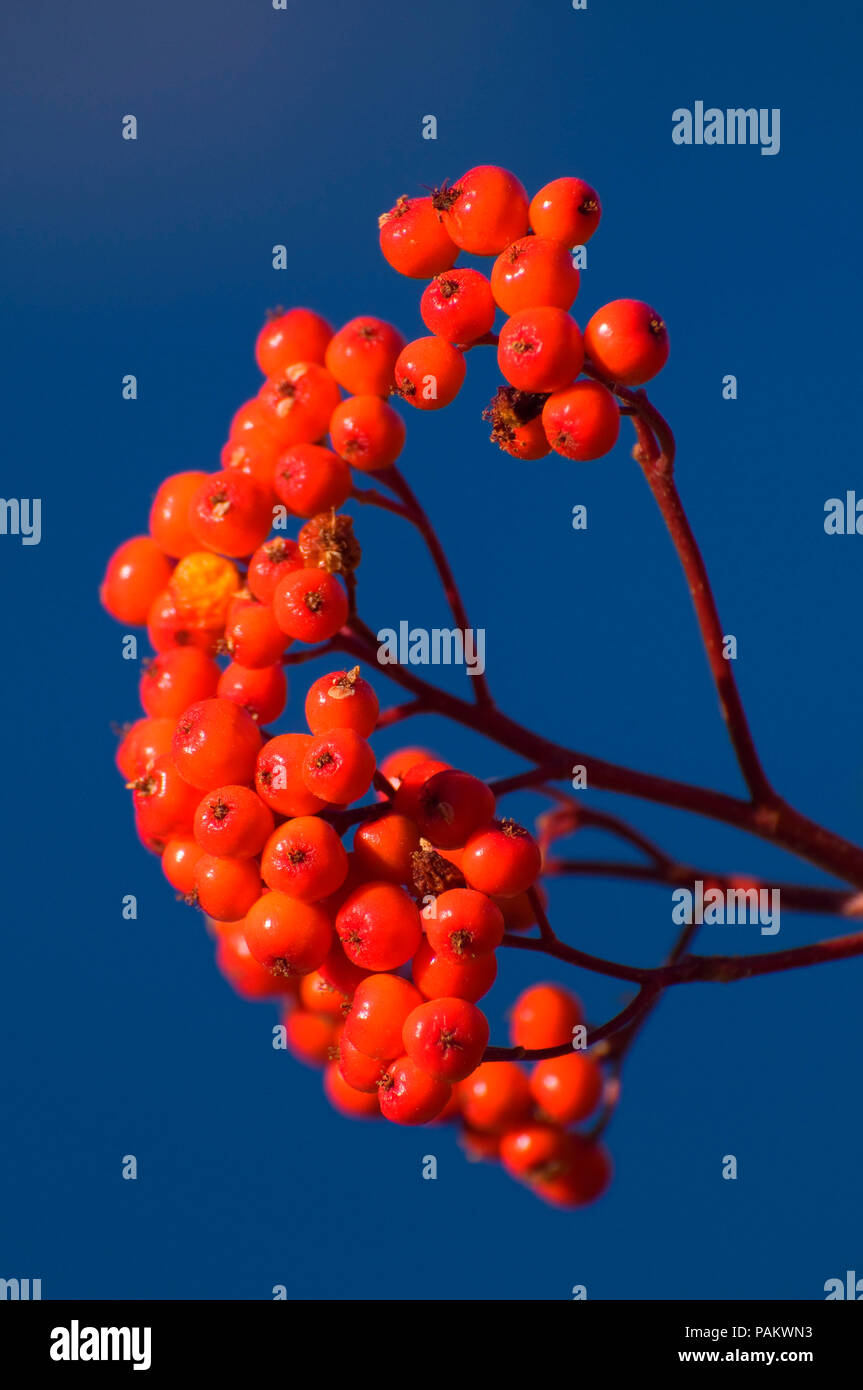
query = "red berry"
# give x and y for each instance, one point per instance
(484, 210)
(216, 744)
(203, 587)
(232, 821)
(260, 690)
(566, 210)
(451, 806)
(362, 1072)
(346, 1098)
(446, 1038)
(167, 628)
(310, 605)
(516, 420)
(458, 306)
(286, 935)
(362, 355)
(311, 1038)
(627, 341)
(540, 350)
(252, 427)
(367, 433)
(142, 744)
(298, 335)
(227, 887)
(495, 1096)
(270, 563)
(311, 479)
(429, 373)
(586, 1177)
(230, 513)
(256, 456)
(502, 858)
(252, 635)
(527, 441)
(169, 514)
(305, 859)
(409, 1096)
(544, 1016)
(441, 977)
(519, 913)
(298, 403)
(414, 240)
(239, 967)
(318, 996)
(342, 700)
(582, 421)
(164, 802)
(412, 781)
(379, 927)
(278, 776)
(137, 573)
(532, 272)
(380, 1006)
(339, 766)
(339, 972)
(396, 765)
(175, 679)
(567, 1088)
(383, 848)
(464, 924)
(531, 1151)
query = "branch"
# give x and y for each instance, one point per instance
(415, 514)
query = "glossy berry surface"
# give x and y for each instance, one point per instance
(567, 210)
(582, 421)
(414, 240)
(627, 341)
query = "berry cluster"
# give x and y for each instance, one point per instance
(546, 404)
(370, 900)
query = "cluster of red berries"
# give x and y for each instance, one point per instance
(541, 350)
(378, 953)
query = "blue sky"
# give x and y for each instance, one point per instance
(259, 127)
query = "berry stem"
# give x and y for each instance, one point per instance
(779, 824)
(417, 516)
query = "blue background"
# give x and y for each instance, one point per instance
(258, 127)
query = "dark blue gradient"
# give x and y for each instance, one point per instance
(259, 127)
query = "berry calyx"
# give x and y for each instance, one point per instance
(310, 605)
(362, 355)
(305, 859)
(342, 700)
(379, 927)
(458, 306)
(407, 1095)
(429, 373)
(446, 1038)
(540, 350)
(287, 936)
(367, 433)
